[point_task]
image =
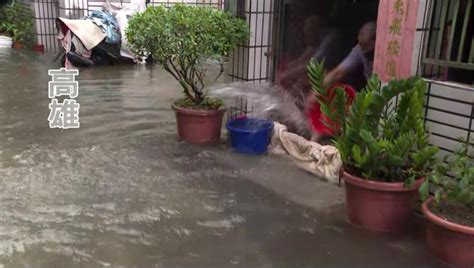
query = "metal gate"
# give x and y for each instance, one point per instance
(446, 60)
(253, 62)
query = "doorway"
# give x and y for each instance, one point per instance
(297, 23)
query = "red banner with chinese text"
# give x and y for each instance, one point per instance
(396, 25)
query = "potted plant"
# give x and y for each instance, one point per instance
(450, 213)
(22, 33)
(16, 21)
(181, 39)
(6, 27)
(383, 145)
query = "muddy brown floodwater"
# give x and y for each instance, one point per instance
(122, 191)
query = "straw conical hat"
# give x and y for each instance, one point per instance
(89, 33)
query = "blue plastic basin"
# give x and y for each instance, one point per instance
(250, 135)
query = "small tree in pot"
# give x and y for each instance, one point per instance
(384, 148)
(450, 213)
(180, 39)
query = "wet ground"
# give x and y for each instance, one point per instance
(122, 191)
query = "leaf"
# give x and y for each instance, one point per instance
(424, 190)
(358, 157)
(435, 178)
(410, 181)
(367, 136)
(437, 196)
(316, 75)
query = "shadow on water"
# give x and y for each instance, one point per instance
(121, 191)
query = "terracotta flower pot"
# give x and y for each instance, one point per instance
(379, 206)
(17, 45)
(199, 126)
(453, 243)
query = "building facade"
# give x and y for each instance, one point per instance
(430, 38)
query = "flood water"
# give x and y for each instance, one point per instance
(122, 191)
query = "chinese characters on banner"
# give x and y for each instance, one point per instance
(63, 114)
(396, 25)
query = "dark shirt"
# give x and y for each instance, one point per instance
(357, 60)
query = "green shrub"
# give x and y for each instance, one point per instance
(333, 105)
(453, 178)
(182, 37)
(378, 139)
(17, 21)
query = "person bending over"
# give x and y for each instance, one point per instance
(357, 67)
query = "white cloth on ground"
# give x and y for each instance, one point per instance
(322, 161)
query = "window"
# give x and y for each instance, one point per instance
(449, 42)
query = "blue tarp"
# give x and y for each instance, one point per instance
(108, 23)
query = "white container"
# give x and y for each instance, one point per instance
(5, 41)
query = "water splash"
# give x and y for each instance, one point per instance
(268, 101)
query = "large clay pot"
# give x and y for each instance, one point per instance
(199, 126)
(379, 206)
(453, 243)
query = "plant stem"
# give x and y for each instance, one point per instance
(182, 80)
(221, 71)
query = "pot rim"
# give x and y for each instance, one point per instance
(442, 222)
(195, 112)
(240, 130)
(381, 186)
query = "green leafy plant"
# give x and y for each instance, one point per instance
(379, 139)
(453, 178)
(333, 104)
(17, 22)
(181, 38)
